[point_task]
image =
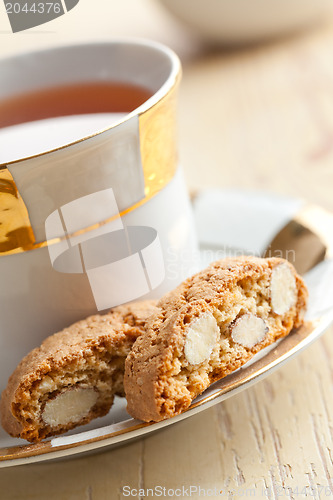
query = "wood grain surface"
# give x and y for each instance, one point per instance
(254, 118)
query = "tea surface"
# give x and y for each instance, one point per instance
(71, 100)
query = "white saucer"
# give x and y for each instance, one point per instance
(238, 222)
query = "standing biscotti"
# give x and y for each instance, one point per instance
(208, 327)
(73, 376)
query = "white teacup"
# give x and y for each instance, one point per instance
(93, 208)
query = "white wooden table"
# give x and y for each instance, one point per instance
(258, 118)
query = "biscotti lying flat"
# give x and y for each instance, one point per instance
(208, 327)
(73, 376)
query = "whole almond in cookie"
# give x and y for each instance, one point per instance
(208, 327)
(248, 330)
(283, 289)
(201, 337)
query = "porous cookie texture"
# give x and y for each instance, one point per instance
(73, 376)
(208, 327)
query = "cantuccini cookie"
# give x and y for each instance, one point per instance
(73, 376)
(208, 327)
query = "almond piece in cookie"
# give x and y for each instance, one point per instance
(283, 289)
(208, 327)
(73, 376)
(72, 405)
(202, 335)
(249, 330)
